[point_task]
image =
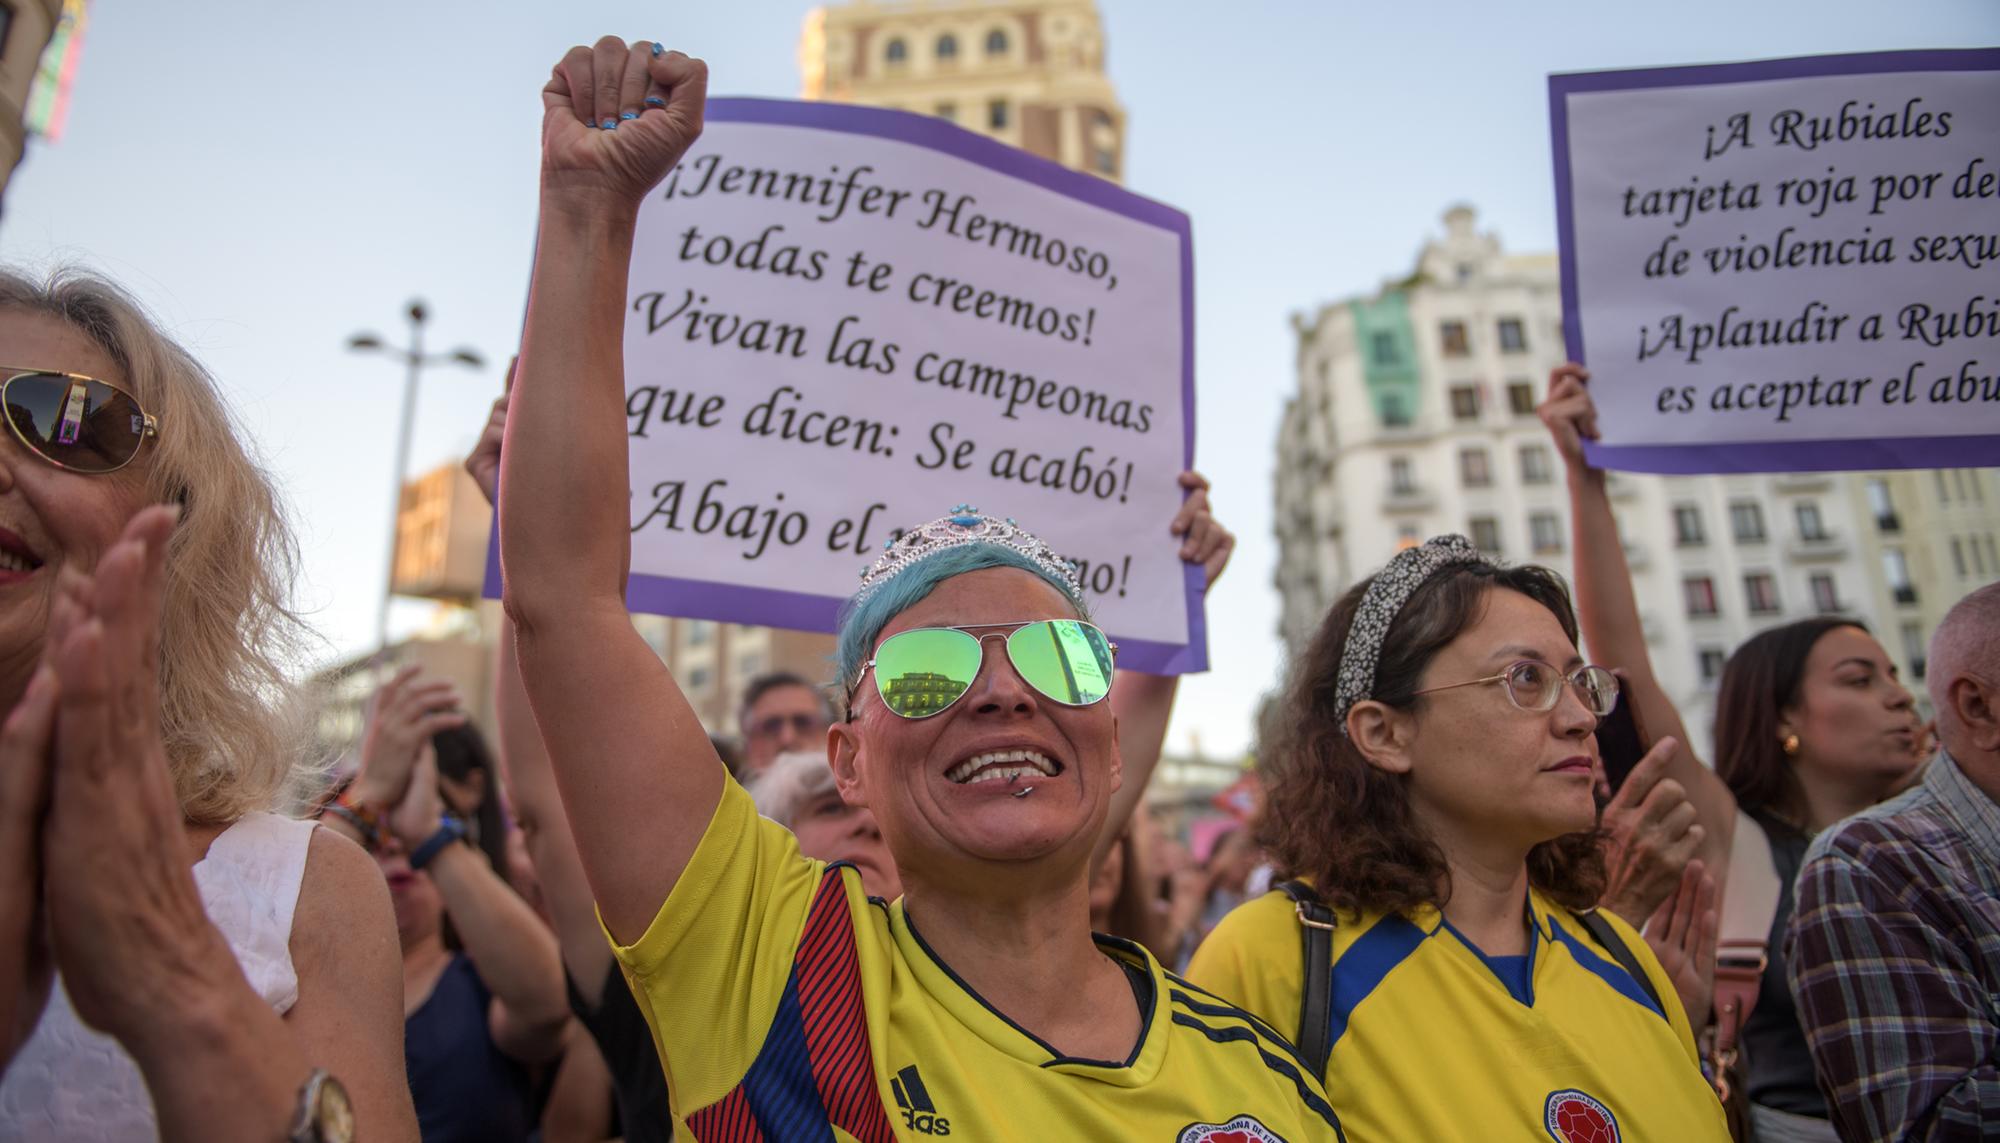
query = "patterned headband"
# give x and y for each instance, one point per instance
(1387, 593)
(966, 526)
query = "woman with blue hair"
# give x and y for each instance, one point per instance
(785, 1004)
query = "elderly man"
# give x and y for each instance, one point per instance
(1895, 945)
(781, 712)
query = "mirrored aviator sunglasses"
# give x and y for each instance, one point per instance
(74, 422)
(921, 672)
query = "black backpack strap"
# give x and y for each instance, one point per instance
(1316, 991)
(1604, 934)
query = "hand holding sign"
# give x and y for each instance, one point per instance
(657, 98)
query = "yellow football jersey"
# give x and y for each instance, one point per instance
(1432, 1040)
(788, 1006)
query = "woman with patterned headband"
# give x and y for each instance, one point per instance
(785, 1004)
(1432, 789)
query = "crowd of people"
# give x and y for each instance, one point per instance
(870, 917)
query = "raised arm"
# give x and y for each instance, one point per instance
(638, 777)
(1608, 610)
(1145, 703)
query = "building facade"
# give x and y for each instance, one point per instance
(1415, 415)
(25, 28)
(1029, 73)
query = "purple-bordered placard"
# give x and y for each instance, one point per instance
(1754, 456)
(697, 599)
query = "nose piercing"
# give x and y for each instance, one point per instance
(1024, 791)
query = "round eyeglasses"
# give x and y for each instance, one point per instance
(1536, 687)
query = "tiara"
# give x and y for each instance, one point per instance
(964, 526)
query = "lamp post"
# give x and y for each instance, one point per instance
(415, 360)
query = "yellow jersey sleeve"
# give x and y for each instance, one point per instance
(1662, 983)
(1253, 959)
(712, 968)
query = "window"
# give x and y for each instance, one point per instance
(948, 111)
(1944, 493)
(1882, 506)
(698, 679)
(1453, 335)
(1535, 466)
(1958, 556)
(1913, 649)
(1521, 398)
(1989, 563)
(1699, 592)
(1811, 527)
(1394, 415)
(698, 632)
(1712, 661)
(897, 52)
(1546, 532)
(1402, 477)
(947, 47)
(1382, 347)
(1826, 598)
(1688, 532)
(1104, 161)
(1474, 471)
(1486, 534)
(996, 42)
(1746, 520)
(1896, 569)
(1760, 590)
(1513, 338)
(1464, 403)
(996, 115)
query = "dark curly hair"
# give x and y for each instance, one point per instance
(1348, 827)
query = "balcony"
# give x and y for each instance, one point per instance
(1809, 549)
(1409, 499)
(1803, 481)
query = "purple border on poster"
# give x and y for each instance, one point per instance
(1751, 456)
(697, 599)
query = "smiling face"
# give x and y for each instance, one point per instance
(943, 788)
(1483, 773)
(1856, 724)
(50, 518)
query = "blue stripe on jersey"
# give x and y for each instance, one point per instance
(1366, 964)
(1611, 974)
(1279, 1064)
(779, 1086)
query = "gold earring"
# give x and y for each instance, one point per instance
(1791, 745)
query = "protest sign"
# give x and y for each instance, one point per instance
(842, 321)
(1785, 265)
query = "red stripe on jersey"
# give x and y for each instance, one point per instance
(728, 1120)
(828, 972)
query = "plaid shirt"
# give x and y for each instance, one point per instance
(1895, 963)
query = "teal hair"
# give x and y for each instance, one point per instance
(864, 616)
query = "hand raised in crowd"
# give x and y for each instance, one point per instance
(405, 713)
(1569, 413)
(126, 923)
(416, 818)
(1203, 541)
(1682, 933)
(483, 463)
(1652, 836)
(616, 118)
(26, 971)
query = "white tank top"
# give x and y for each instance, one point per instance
(69, 1084)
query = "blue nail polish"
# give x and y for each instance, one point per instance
(609, 124)
(655, 101)
(589, 124)
(624, 115)
(657, 49)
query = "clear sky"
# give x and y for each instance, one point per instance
(272, 177)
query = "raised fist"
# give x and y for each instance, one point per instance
(615, 120)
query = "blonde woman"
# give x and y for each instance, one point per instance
(200, 943)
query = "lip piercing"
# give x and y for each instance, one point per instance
(1024, 791)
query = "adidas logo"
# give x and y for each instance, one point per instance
(919, 1113)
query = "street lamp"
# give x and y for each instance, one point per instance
(415, 360)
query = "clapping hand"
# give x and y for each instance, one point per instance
(406, 712)
(1653, 835)
(1682, 934)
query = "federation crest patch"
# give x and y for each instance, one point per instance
(1573, 1117)
(1242, 1129)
